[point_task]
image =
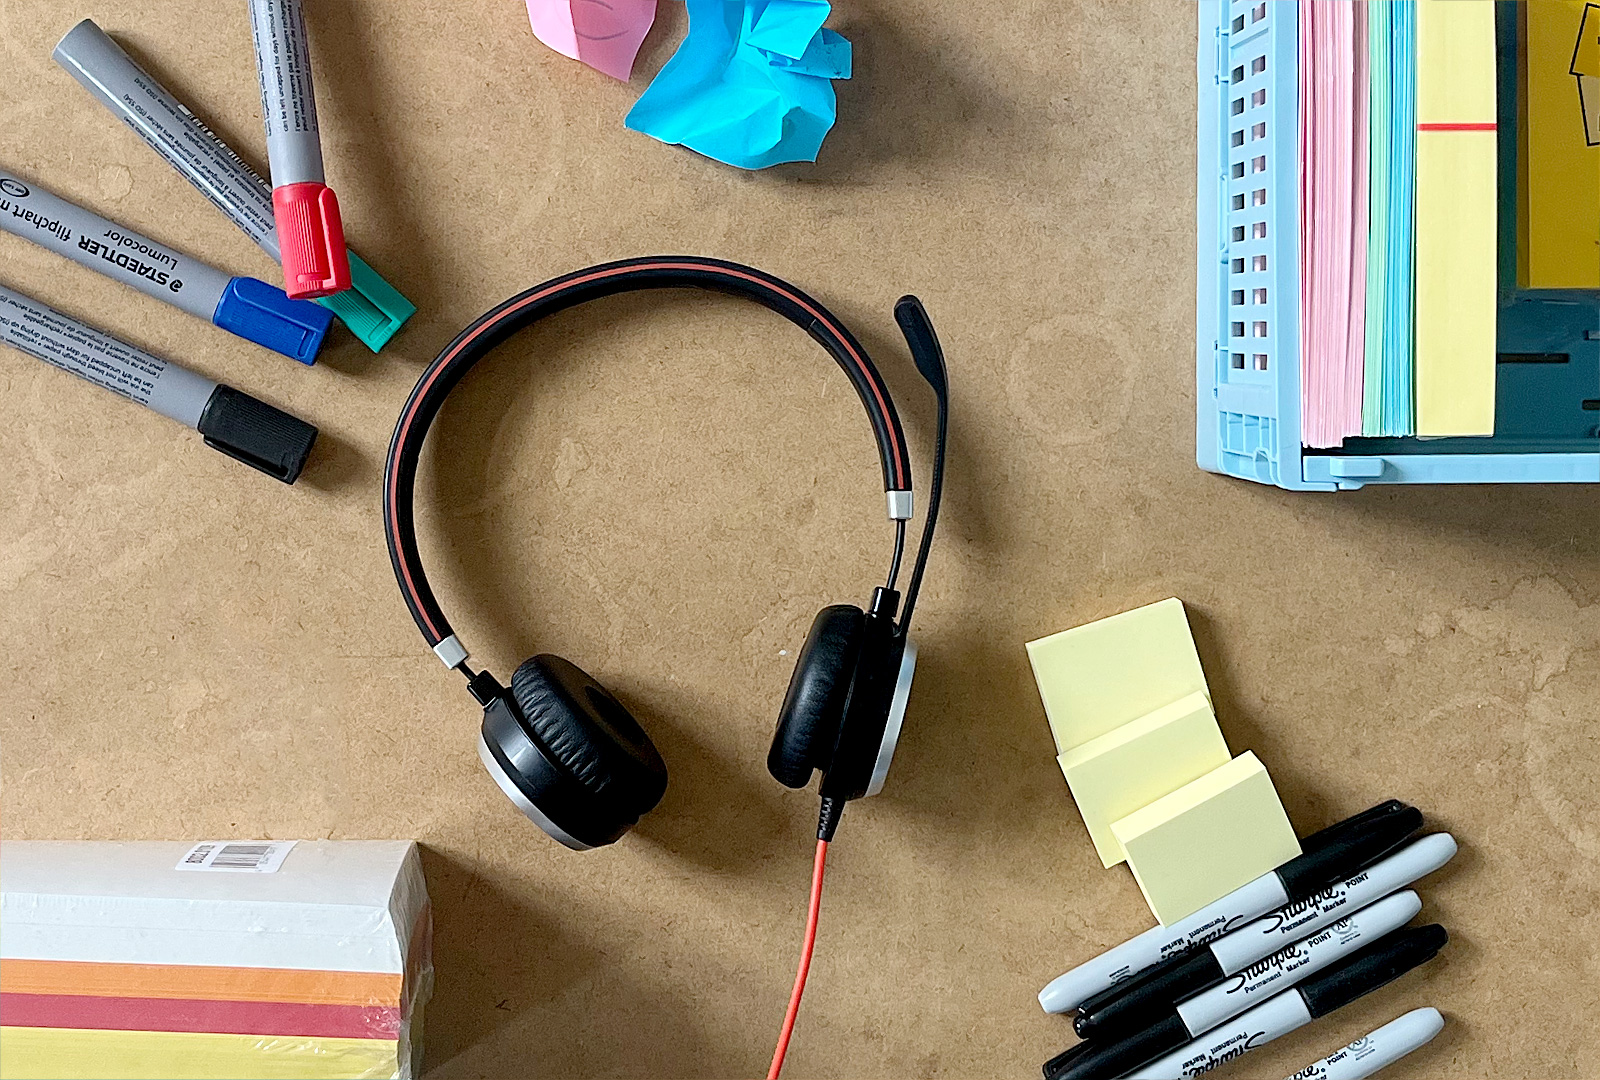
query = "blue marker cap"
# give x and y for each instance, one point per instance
(263, 314)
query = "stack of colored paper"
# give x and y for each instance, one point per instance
(1398, 232)
(1140, 748)
(223, 959)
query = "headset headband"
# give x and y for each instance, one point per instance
(559, 294)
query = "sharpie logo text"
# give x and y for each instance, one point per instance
(1312, 907)
(1284, 960)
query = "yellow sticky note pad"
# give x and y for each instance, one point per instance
(1456, 214)
(1558, 203)
(1455, 283)
(1095, 678)
(1206, 839)
(1127, 769)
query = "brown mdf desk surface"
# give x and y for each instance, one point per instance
(666, 488)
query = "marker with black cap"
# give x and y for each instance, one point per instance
(233, 422)
(1182, 978)
(1373, 967)
(1110, 1057)
(1329, 856)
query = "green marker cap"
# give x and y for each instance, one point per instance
(373, 309)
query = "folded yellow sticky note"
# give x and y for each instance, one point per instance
(1558, 221)
(1206, 839)
(1095, 678)
(1456, 213)
(1129, 768)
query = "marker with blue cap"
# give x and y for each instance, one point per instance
(252, 309)
(371, 308)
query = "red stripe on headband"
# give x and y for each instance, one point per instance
(543, 294)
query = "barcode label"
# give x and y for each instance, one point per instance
(238, 857)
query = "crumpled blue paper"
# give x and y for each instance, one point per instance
(751, 85)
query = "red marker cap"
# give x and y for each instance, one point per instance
(311, 236)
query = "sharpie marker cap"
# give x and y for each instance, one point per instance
(249, 430)
(1107, 1058)
(1348, 852)
(371, 308)
(261, 313)
(1178, 978)
(1377, 965)
(1323, 837)
(311, 240)
(1065, 1058)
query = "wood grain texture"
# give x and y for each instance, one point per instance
(666, 489)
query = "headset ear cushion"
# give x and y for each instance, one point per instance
(808, 724)
(588, 733)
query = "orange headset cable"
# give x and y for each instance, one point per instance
(805, 962)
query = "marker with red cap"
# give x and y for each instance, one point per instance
(310, 233)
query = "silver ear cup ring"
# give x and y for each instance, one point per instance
(897, 717)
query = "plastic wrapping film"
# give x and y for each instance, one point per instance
(166, 978)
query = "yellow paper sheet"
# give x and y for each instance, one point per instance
(82, 1054)
(1456, 213)
(1207, 839)
(1129, 768)
(1095, 678)
(1558, 226)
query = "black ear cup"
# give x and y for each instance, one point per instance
(573, 752)
(873, 714)
(813, 709)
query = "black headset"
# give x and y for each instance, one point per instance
(558, 743)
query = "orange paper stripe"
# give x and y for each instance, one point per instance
(199, 982)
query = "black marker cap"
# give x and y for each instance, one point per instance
(1106, 1059)
(1377, 965)
(1152, 997)
(1057, 1063)
(1322, 837)
(251, 431)
(1132, 984)
(1347, 853)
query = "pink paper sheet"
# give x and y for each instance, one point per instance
(1333, 219)
(605, 34)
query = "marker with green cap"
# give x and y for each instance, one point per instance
(372, 308)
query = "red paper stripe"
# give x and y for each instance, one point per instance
(184, 981)
(180, 1014)
(1456, 127)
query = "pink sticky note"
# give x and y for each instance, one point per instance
(605, 34)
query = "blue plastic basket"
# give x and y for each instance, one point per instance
(1248, 289)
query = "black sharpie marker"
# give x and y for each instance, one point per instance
(1287, 967)
(1330, 855)
(1234, 953)
(1373, 967)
